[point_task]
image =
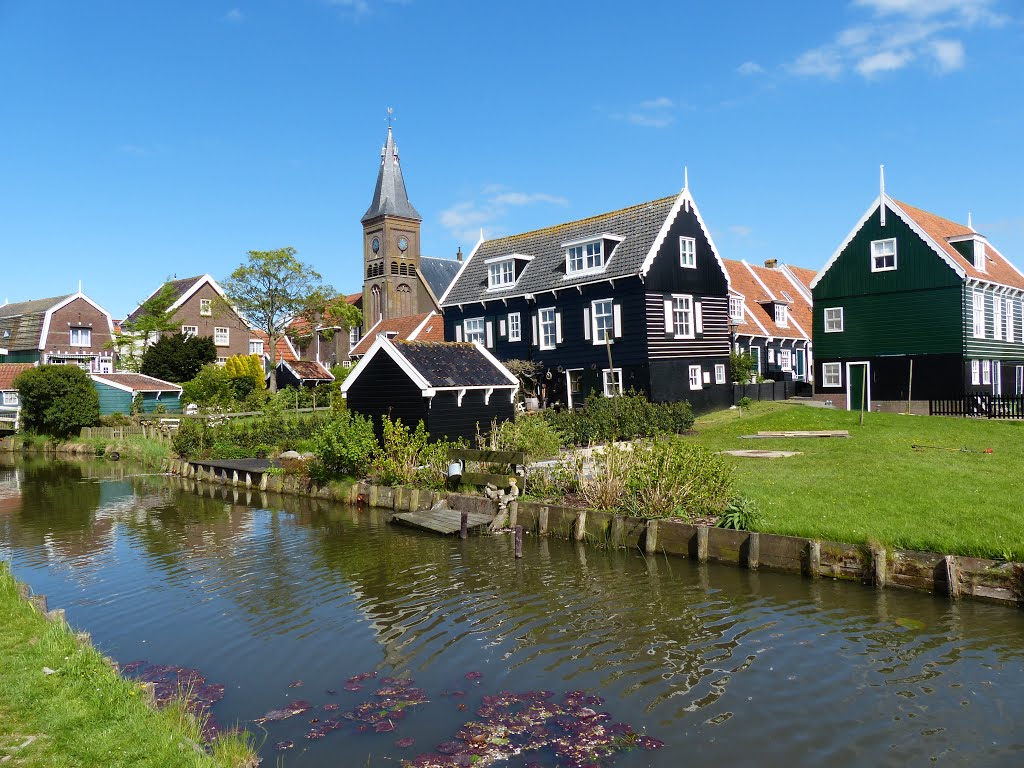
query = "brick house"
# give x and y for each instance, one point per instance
(63, 330)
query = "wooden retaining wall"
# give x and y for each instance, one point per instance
(954, 576)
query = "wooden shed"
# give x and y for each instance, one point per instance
(451, 386)
(118, 390)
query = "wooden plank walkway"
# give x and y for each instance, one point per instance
(799, 433)
(446, 521)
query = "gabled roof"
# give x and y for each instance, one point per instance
(438, 273)
(32, 306)
(389, 196)
(640, 227)
(284, 350)
(180, 291)
(426, 326)
(9, 372)
(135, 382)
(762, 287)
(24, 325)
(307, 370)
(439, 365)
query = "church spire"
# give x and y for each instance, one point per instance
(390, 197)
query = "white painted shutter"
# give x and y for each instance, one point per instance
(558, 327)
(533, 325)
(617, 310)
(669, 325)
(501, 328)
(458, 333)
(490, 334)
(698, 318)
(586, 324)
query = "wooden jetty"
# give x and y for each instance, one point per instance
(225, 468)
(440, 520)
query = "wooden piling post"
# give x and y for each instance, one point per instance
(813, 559)
(519, 541)
(753, 551)
(581, 525)
(702, 543)
(879, 561)
(464, 525)
(952, 576)
(618, 532)
(651, 538)
(542, 521)
(513, 513)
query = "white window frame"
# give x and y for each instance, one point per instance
(221, 332)
(1018, 379)
(474, 329)
(687, 252)
(831, 374)
(976, 372)
(978, 314)
(222, 361)
(1009, 319)
(189, 331)
(501, 274)
(736, 308)
(206, 307)
(611, 378)
(785, 360)
(581, 258)
(833, 319)
(79, 337)
(255, 346)
(719, 373)
(603, 330)
(997, 318)
(547, 323)
(11, 398)
(683, 317)
(515, 327)
(695, 377)
(986, 372)
(979, 255)
(782, 315)
(353, 337)
(879, 250)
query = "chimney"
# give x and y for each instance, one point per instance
(458, 254)
(771, 263)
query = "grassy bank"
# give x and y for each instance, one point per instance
(149, 453)
(874, 486)
(84, 714)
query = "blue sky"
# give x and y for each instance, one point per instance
(145, 139)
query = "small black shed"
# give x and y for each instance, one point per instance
(451, 386)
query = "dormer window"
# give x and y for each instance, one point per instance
(973, 247)
(736, 309)
(589, 255)
(503, 271)
(979, 255)
(883, 255)
(781, 315)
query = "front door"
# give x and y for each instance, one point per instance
(574, 387)
(800, 365)
(858, 390)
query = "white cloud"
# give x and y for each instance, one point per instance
(355, 8)
(652, 113)
(899, 33)
(465, 219)
(740, 230)
(235, 16)
(748, 68)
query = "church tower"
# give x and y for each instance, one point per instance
(391, 246)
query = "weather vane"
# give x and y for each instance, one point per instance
(391, 116)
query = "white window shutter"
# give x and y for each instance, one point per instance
(458, 333)
(533, 323)
(558, 327)
(669, 325)
(501, 328)
(698, 318)
(617, 315)
(490, 334)
(586, 324)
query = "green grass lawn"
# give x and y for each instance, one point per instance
(873, 487)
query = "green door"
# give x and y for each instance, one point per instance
(858, 376)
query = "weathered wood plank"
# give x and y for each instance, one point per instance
(487, 457)
(445, 521)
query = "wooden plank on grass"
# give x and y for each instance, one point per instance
(487, 457)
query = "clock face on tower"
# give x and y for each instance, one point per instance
(402, 244)
(375, 245)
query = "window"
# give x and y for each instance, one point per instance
(979, 314)
(979, 255)
(687, 252)
(1018, 379)
(719, 373)
(833, 320)
(997, 317)
(346, 363)
(189, 330)
(771, 355)
(585, 257)
(205, 307)
(602, 320)
(221, 336)
(1008, 319)
(11, 398)
(473, 329)
(353, 337)
(548, 328)
(682, 317)
(501, 274)
(883, 255)
(832, 374)
(736, 308)
(695, 378)
(781, 315)
(515, 328)
(222, 361)
(80, 337)
(612, 379)
(255, 346)
(975, 372)
(785, 359)
(986, 372)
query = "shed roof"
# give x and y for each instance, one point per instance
(9, 372)
(307, 370)
(136, 382)
(425, 326)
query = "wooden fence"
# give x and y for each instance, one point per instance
(979, 405)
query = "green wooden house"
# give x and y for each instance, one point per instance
(914, 308)
(117, 391)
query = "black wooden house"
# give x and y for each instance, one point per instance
(632, 299)
(453, 388)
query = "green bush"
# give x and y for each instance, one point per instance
(190, 439)
(626, 417)
(741, 514)
(117, 419)
(343, 446)
(244, 438)
(742, 366)
(211, 388)
(408, 457)
(57, 400)
(528, 432)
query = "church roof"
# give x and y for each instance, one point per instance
(389, 196)
(439, 273)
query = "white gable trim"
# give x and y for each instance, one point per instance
(753, 316)
(771, 296)
(685, 198)
(292, 371)
(797, 283)
(63, 303)
(382, 345)
(418, 328)
(509, 376)
(366, 336)
(462, 269)
(125, 388)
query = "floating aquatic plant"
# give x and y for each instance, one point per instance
(184, 683)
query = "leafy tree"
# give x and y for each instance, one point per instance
(246, 374)
(272, 288)
(154, 318)
(57, 400)
(178, 358)
(743, 367)
(211, 388)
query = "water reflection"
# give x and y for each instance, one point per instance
(719, 662)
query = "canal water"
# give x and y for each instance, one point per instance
(284, 600)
